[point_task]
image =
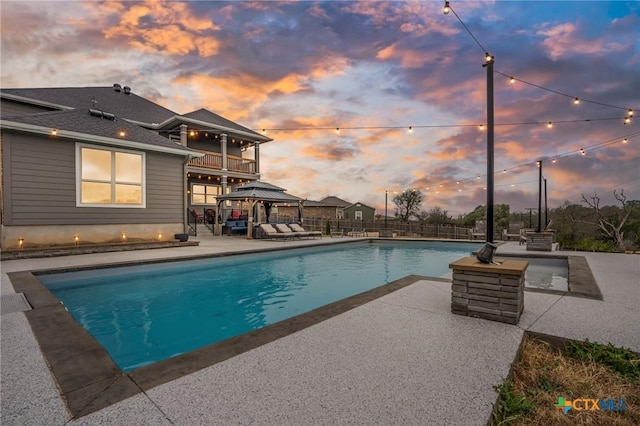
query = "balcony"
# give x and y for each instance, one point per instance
(213, 161)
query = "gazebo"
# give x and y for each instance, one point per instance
(260, 193)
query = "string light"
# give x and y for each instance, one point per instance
(561, 93)
(627, 120)
(446, 9)
(576, 101)
(582, 151)
(54, 132)
(410, 129)
(630, 112)
(512, 80)
(440, 126)
(549, 124)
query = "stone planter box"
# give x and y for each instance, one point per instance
(539, 241)
(493, 292)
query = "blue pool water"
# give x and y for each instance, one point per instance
(146, 313)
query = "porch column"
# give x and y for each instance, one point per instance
(252, 207)
(223, 182)
(256, 150)
(223, 143)
(183, 134)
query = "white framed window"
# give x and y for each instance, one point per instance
(204, 194)
(358, 214)
(109, 177)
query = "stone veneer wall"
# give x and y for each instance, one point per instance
(539, 241)
(493, 292)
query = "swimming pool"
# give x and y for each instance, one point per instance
(146, 313)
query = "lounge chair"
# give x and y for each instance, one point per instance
(268, 231)
(337, 233)
(297, 228)
(357, 233)
(284, 229)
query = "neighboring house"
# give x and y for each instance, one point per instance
(359, 211)
(327, 208)
(100, 164)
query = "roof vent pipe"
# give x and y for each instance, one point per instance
(117, 87)
(127, 90)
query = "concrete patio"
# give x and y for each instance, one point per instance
(403, 358)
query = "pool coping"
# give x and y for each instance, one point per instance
(89, 379)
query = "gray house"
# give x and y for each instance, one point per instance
(359, 211)
(101, 164)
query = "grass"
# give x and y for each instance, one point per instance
(582, 371)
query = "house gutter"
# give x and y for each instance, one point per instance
(12, 125)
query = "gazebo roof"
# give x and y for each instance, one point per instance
(260, 191)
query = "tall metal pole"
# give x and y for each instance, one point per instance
(490, 134)
(539, 196)
(385, 209)
(546, 209)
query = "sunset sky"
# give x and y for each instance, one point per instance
(371, 69)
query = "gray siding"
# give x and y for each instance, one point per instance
(40, 187)
(9, 108)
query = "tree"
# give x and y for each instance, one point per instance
(408, 203)
(437, 216)
(611, 221)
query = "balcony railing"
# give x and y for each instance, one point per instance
(213, 160)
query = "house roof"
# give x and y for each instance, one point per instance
(80, 123)
(203, 114)
(129, 106)
(260, 191)
(335, 201)
(358, 204)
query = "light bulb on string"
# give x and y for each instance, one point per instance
(512, 80)
(410, 129)
(624, 140)
(549, 125)
(446, 9)
(582, 151)
(630, 112)
(576, 101)
(627, 120)
(481, 127)
(337, 129)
